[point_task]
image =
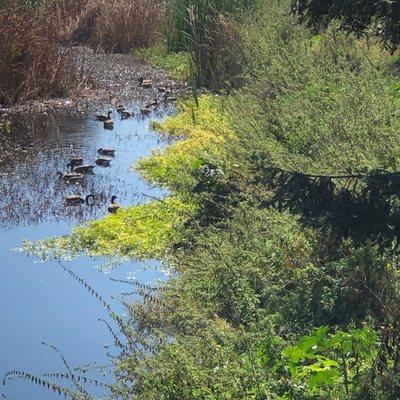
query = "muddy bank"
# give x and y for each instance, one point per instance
(107, 80)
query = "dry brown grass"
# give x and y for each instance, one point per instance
(33, 62)
(111, 25)
(123, 25)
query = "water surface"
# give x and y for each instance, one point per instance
(39, 301)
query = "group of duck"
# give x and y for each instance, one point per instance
(76, 171)
(147, 109)
(75, 200)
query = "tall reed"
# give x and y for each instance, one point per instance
(207, 29)
(35, 33)
(110, 25)
(32, 64)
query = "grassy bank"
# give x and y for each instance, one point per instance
(281, 229)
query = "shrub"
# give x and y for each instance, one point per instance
(316, 104)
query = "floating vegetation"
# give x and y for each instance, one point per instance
(143, 231)
(205, 129)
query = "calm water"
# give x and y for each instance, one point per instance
(38, 301)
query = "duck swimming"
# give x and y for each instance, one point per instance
(106, 152)
(126, 114)
(113, 207)
(152, 103)
(109, 124)
(103, 162)
(146, 83)
(74, 199)
(103, 117)
(76, 161)
(70, 177)
(81, 169)
(145, 111)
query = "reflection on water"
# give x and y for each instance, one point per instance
(31, 192)
(39, 302)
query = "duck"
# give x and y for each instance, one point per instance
(113, 207)
(75, 161)
(103, 162)
(74, 199)
(145, 111)
(81, 169)
(103, 117)
(152, 103)
(126, 114)
(109, 124)
(70, 177)
(145, 82)
(106, 152)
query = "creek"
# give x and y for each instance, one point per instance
(39, 301)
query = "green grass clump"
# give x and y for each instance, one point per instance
(178, 64)
(145, 231)
(188, 14)
(209, 31)
(204, 129)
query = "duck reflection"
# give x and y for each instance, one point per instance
(34, 184)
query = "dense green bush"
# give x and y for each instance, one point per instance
(239, 321)
(318, 104)
(382, 17)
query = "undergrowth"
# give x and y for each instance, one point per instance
(267, 300)
(143, 231)
(177, 64)
(203, 129)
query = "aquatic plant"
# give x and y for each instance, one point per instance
(204, 129)
(207, 29)
(143, 231)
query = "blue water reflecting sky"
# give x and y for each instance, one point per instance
(39, 301)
